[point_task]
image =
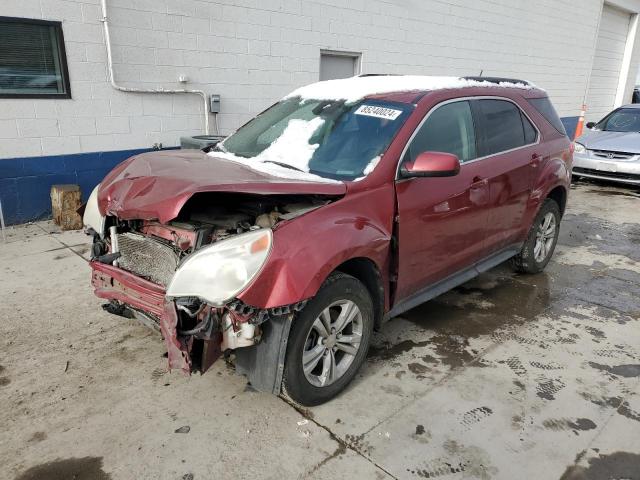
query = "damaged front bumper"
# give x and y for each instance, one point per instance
(195, 337)
(140, 295)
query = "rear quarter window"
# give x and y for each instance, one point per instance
(546, 109)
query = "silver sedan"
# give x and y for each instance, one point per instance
(610, 149)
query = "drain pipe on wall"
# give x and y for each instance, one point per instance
(107, 39)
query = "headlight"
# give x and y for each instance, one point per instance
(579, 148)
(219, 272)
(92, 217)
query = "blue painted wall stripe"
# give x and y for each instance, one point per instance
(25, 183)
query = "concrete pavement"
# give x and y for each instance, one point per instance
(508, 376)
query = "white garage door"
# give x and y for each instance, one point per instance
(607, 63)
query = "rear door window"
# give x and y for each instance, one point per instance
(448, 129)
(530, 132)
(503, 126)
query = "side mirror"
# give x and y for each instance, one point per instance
(591, 124)
(432, 164)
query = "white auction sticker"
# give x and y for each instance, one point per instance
(378, 112)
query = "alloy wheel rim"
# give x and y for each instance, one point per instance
(545, 236)
(332, 343)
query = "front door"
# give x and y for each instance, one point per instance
(442, 220)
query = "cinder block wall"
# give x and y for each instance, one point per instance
(252, 53)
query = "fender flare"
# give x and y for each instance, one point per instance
(555, 174)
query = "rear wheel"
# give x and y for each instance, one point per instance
(328, 341)
(541, 242)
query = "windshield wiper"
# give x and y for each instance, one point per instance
(285, 165)
(219, 148)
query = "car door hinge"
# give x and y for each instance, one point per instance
(393, 278)
(397, 218)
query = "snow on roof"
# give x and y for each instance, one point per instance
(355, 88)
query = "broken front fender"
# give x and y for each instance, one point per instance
(308, 248)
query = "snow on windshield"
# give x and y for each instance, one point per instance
(289, 154)
(292, 147)
(355, 88)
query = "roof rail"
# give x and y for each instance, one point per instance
(496, 80)
(380, 74)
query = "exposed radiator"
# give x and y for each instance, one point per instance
(147, 258)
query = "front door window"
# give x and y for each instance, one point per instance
(448, 129)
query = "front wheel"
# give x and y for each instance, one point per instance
(328, 342)
(541, 242)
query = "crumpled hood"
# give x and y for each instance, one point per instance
(156, 185)
(615, 141)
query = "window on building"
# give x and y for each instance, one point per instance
(32, 59)
(338, 65)
(447, 129)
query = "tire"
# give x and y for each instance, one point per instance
(329, 376)
(530, 259)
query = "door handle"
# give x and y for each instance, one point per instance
(535, 160)
(479, 179)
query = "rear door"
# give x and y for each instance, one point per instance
(509, 145)
(442, 220)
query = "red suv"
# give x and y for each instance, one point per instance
(339, 207)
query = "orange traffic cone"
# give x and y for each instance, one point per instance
(580, 126)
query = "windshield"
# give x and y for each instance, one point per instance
(622, 120)
(331, 139)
